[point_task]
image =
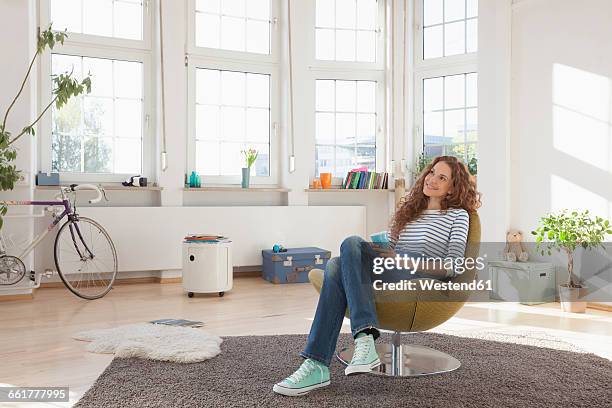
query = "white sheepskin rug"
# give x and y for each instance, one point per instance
(154, 342)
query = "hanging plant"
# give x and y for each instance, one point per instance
(65, 87)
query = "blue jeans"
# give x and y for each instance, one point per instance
(347, 282)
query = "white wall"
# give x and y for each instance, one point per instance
(545, 96)
(561, 108)
(16, 20)
(545, 112)
(494, 86)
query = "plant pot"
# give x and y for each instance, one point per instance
(570, 299)
(246, 175)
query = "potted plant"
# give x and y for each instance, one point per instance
(566, 232)
(421, 162)
(472, 166)
(65, 87)
(250, 156)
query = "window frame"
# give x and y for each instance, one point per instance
(218, 53)
(205, 63)
(433, 63)
(381, 36)
(93, 46)
(355, 71)
(239, 61)
(380, 139)
(432, 68)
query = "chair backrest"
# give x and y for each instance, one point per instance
(472, 248)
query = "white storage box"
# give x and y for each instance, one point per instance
(207, 267)
(529, 283)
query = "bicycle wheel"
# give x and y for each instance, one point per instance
(85, 258)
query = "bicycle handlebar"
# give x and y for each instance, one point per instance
(76, 187)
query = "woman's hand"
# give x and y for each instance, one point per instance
(383, 252)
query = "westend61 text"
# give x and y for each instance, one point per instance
(430, 284)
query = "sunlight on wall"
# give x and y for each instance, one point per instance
(582, 115)
(565, 194)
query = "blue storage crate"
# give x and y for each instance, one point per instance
(293, 266)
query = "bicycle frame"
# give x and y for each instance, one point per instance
(67, 212)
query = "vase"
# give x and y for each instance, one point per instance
(246, 174)
(326, 180)
(571, 299)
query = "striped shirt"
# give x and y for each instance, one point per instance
(435, 234)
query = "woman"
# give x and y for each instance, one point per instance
(431, 221)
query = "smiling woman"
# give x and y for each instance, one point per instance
(444, 184)
(431, 222)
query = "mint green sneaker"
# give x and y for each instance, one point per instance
(310, 376)
(365, 358)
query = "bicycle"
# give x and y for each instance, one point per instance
(84, 253)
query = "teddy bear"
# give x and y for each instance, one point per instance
(514, 250)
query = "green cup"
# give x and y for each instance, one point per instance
(380, 237)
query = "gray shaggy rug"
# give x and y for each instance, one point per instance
(492, 374)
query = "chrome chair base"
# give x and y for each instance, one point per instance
(402, 360)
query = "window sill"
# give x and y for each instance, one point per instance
(107, 187)
(348, 190)
(228, 189)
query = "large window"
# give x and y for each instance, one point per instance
(109, 18)
(349, 78)
(105, 135)
(446, 77)
(100, 132)
(450, 116)
(346, 30)
(238, 25)
(232, 114)
(233, 103)
(450, 27)
(345, 125)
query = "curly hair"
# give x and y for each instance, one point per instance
(464, 195)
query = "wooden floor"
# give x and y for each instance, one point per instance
(37, 348)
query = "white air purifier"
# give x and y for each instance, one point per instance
(207, 267)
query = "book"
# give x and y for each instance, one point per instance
(206, 238)
(348, 179)
(366, 180)
(178, 322)
(355, 181)
(351, 181)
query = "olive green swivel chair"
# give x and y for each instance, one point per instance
(409, 311)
